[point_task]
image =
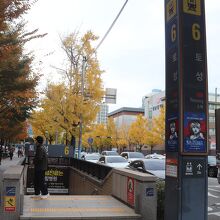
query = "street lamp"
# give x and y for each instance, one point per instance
(81, 118)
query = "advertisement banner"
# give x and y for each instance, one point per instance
(195, 132)
(173, 134)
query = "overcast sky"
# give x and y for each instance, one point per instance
(132, 55)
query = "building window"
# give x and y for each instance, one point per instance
(211, 107)
(211, 131)
(211, 119)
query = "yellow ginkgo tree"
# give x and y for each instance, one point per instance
(138, 132)
(122, 138)
(156, 133)
(76, 99)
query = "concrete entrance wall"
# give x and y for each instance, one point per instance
(12, 193)
(81, 183)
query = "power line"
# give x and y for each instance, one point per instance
(113, 23)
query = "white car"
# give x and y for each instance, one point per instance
(113, 161)
(93, 157)
(109, 153)
(155, 156)
(131, 156)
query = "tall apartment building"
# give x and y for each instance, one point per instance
(102, 116)
(156, 100)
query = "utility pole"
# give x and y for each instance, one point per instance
(82, 92)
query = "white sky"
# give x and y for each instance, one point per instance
(132, 55)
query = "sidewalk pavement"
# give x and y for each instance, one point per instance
(6, 162)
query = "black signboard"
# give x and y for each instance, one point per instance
(186, 110)
(194, 77)
(186, 77)
(52, 150)
(172, 78)
(56, 177)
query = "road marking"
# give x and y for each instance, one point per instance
(209, 194)
(87, 209)
(214, 213)
(210, 209)
(216, 186)
(215, 190)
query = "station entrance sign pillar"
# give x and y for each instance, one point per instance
(186, 110)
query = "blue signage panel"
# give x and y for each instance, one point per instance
(90, 140)
(149, 191)
(10, 190)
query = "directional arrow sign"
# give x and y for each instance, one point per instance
(199, 166)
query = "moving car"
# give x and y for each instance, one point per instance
(93, 157)
(114, 161)
(212, 168)
(152, 166)
(131, 156)
(155, 156)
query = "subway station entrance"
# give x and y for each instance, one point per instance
(61, 203)
(78, 190)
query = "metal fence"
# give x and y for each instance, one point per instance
(96, 170)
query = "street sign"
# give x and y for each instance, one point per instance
(193, 168)
(110, 95)
(130, 191)
(10, 199)
(90, 140)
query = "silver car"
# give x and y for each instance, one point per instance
(152, 166)
(113, 161)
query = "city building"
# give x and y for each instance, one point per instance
(102, 116)
(153, 102)
(125, 115)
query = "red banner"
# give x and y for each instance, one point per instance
(130, 191)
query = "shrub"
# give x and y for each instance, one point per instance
(160, 185)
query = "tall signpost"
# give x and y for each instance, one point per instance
(186, 110)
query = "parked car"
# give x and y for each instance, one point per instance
(155, 156)
(152, 166)
(212, 168)
(131, 156)
(93, 157)
(114, 161)
(109, 153)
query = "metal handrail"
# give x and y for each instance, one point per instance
(96, 170)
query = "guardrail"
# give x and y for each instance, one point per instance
(97, 170)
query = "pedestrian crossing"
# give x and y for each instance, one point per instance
(214, 201)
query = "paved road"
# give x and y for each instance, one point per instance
(213, 199)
